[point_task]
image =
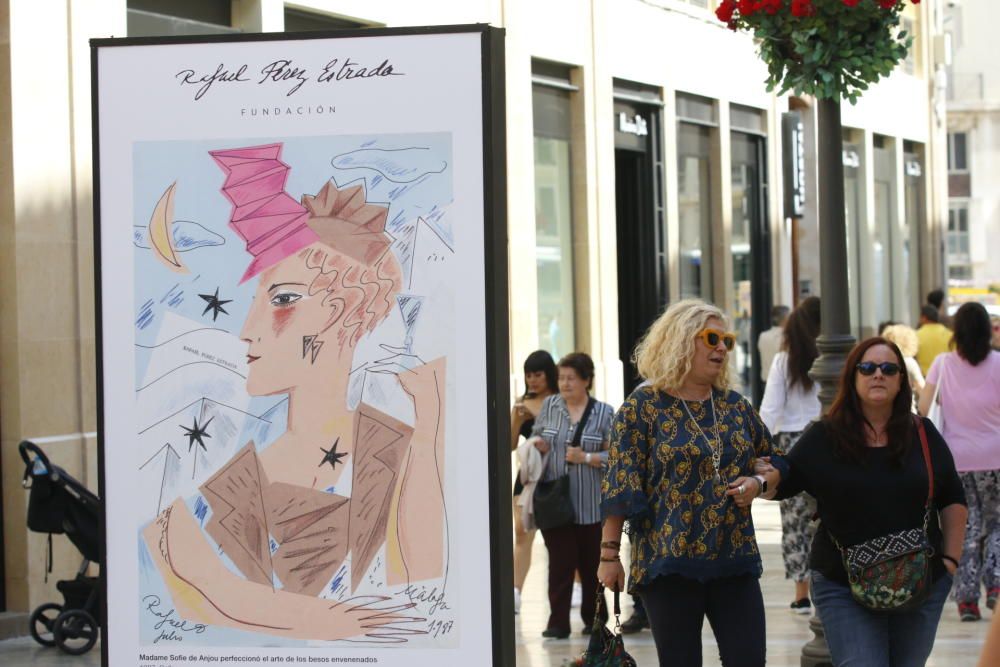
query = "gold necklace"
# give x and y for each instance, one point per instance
(716, 451)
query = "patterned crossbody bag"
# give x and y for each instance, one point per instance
(892, 573)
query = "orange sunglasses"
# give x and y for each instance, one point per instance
(711, 338)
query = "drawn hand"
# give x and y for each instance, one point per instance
(397, 362)
(375, 618)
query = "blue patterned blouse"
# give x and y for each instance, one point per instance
(660, 478)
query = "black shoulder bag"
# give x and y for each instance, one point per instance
(552, 505)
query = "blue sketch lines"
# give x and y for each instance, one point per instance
(187, 235)
(397, 165)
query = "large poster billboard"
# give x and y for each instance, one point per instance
(301, 260)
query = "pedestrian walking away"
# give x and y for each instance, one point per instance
(769, 342)
(571, 431)
(966, 384)
(865, 463)
(906, 340)
(790, 404)
(680, 471)
(540, 381)
(933, 338)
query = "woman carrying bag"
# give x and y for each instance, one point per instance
(892, 515)
(571, 432)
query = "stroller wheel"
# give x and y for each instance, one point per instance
(75, 631)
(42, 621)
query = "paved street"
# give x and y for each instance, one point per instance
(957, 643)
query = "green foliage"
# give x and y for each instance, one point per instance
(836, 51)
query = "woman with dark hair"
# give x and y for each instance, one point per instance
(967, 386)
(574, 547)
(540, 382)
(864, 462)
(790, 404)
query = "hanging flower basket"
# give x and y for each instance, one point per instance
(831, 49)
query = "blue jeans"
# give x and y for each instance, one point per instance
(858, 637)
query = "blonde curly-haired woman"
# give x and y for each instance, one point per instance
(681, 471)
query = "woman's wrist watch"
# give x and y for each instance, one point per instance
(763, 484)
(586, 458)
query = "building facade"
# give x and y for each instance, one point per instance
(653, 166)
(973, 232)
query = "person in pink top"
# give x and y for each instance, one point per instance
(969, 394)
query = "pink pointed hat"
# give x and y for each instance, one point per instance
(271, 222)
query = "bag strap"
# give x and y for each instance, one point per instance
(600, 605)
(926, 451)
(578, 434)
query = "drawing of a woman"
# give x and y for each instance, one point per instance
(343, 499)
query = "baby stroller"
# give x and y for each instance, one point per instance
(59, 504)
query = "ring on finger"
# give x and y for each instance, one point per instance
(740, 489)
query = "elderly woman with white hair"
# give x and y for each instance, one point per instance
(906, 340)
(681, 472)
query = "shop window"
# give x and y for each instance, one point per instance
(159, 18)
(554, 209)
(297, 20)
(697, 117)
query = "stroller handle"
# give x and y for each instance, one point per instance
(29, 449)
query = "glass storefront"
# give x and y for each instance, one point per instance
(750, 248)
(694, 200)
(879, 282)
(854, 217)
(554, 220)
(912, 223)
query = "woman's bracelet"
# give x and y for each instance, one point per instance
(611, 544)
(947, 557)
(609, 560)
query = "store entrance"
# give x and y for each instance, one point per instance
(642, 271)
(751, 260)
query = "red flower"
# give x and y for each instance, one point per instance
(887, 4)
(851, 3)
(725, 10)
(747, 7)
(770, 6)
(803, 8)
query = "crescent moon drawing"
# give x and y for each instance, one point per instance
(160, 237)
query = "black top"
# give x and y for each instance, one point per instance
(861, 501)
(525, 433)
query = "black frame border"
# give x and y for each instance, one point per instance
(495, 258)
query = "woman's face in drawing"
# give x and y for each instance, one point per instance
(285, 327)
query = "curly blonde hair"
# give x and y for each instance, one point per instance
(664, 354)
(904, 337)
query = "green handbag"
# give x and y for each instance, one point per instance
(606, 648)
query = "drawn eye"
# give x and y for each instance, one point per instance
(285, 298)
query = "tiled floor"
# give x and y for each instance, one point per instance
(957, 644)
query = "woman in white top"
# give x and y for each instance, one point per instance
(791, 403)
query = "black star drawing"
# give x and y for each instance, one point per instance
(196, 433)
(331, 456)
(215, 304)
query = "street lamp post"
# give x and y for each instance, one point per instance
(835, 340)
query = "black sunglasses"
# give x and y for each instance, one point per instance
(887, 367)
